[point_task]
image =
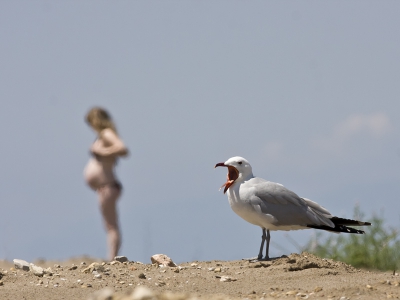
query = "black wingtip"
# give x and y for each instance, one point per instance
(337, 228)
(348, 222)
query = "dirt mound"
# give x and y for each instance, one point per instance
(298, 262)
(300, 276)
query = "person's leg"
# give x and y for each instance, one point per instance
(108, 196)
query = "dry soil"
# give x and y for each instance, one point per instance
(297, 276)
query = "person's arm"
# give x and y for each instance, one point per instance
(115, 146)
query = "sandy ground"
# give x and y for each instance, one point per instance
(298, 276)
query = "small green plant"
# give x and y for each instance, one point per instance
(378, 248)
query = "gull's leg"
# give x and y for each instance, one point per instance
(263, 237)
(268, 238)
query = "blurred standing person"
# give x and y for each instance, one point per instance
(99, 173)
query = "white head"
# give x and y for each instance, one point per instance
(238, 169)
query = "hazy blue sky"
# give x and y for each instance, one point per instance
(307, 91)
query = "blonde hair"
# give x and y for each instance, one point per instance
(100, 119)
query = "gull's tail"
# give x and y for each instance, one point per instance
(341, 225)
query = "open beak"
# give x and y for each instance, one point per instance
(233, 174)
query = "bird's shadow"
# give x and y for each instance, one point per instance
(255, 259)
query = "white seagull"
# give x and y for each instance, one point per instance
(273, 207)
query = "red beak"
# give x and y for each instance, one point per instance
(233, 174)
(220, 165)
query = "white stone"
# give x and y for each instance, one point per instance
(92, 267)
(48, 271)
(142, 293)
(121, 258)
(21, 264)
(162, 259)
(225, 279)
(38, 271)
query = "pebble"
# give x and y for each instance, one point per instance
(291, 293)
(227, 279)
(97, 276)
(142, 276)
(38, 271)
(92, 267)
(317, 289)
(121, 259)
(48, 271)
(217, 270)
(160, 283)
(21, 264)
(73, 268)
(162, 259)
(142, 293)
(1, 283)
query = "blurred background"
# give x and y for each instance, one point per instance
(308, 92)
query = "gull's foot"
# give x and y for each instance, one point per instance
(256, 259)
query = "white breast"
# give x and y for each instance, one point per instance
(248, 212)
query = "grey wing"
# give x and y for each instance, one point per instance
(286, 206)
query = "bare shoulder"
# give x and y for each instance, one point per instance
(108, 134)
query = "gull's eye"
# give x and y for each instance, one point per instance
(239, 162)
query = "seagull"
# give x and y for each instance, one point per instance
(273, 207)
